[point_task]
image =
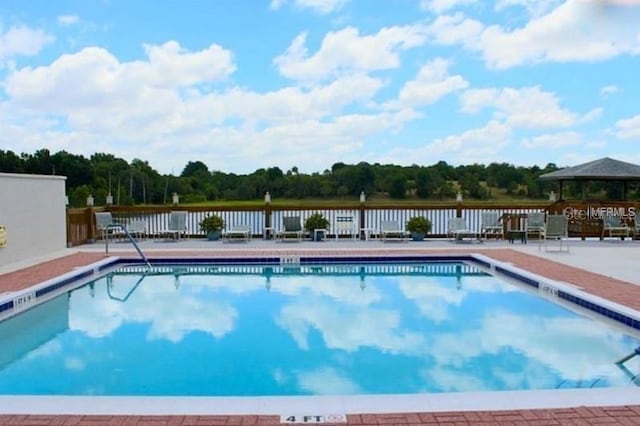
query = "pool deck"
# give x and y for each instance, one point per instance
(608, 269)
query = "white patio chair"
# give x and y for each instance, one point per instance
(458, 230)
(490, 225)
(556, 229)
(237, 233)
(391, 229)
(107, 227)
(177, 226)
(346, 225)
(292, 229)
(613, 226)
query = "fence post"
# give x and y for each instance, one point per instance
(90, 225)
(363, 225)
(266, 234)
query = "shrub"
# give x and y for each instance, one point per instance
(212, 223)
(316, 221)
(419, 225)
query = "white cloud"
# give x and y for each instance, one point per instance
(552, 141)
(592, 115)
(169, 102)
(577, 30)
(531, 336)
(22, 40)
(349, 328)
(608, 90)
(533, 7)
(171, 313)
(66, 20)
(319, 6)
(480, 145)
(439, 6)
(628, 128)
(456, 29)
(327, 381)
(432, 83)
(528, 107)
(106, 82)
(346, 51)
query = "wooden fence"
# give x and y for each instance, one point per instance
(584, 217)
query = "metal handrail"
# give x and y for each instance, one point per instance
(126, 232)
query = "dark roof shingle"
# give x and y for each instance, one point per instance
(602, 169)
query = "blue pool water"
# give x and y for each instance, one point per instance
(301, 330)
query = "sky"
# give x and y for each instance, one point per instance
(243, 85)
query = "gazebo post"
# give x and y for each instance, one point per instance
(560, 191)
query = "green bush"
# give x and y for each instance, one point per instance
(316, 221)
(419, 225)
(212, 223)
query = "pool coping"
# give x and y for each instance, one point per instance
(319, 404)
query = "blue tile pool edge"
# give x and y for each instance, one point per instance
(546, 287)
(17, 301)
(566, 292)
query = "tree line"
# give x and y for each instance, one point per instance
(138, 183)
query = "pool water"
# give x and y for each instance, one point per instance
(305, 330)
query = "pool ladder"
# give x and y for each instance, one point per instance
(126, 232)
(635, 378)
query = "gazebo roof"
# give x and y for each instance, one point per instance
(602, 169)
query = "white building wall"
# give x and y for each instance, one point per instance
(33, 213)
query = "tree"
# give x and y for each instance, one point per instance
(78, 170)
(398, 188)
(10, 162)
(195, 168)
(427, 182)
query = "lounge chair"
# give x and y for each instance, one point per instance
(614, 227)
(535, 223)
(391, 229)
(107, 227)
(237, 233)
(137, 228)
(177, 226)
(556, 229)
(458, 230)
(292, 229)
(490, 225)
(346, 225)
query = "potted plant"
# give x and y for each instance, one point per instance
(212, 225)
(314, 223)
(419, 226)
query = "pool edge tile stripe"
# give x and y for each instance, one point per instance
(41, 292)
(567, 292)
(564, 291)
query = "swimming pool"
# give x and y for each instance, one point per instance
(309, 326)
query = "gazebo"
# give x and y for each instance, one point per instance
(604, 169)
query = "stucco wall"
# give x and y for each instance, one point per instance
(32, 209)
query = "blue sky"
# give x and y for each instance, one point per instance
(241, 85)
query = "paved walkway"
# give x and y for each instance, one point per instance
(608, 269)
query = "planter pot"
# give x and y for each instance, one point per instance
(213, 235)
(417, 236)
(317, 235)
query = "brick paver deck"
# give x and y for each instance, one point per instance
(615, 290)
